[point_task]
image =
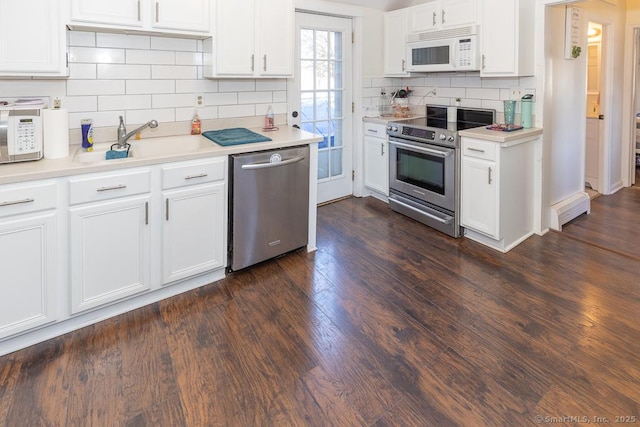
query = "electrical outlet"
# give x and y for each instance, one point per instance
(515, 93)
(199, 100)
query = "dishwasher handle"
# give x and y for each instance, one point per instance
(265, 165)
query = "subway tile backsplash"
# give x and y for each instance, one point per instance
(145, 77)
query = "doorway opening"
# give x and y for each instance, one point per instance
(635, 141)
(595, 116)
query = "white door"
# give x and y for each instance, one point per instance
(320, 98)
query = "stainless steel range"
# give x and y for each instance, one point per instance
(424, 165)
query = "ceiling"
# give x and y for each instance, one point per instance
(381, 4)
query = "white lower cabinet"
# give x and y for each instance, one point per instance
(194, 219)
(376, 158)
(109, 238)
(497, 191)
(28, 287)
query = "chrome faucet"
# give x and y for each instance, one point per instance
(123, 136)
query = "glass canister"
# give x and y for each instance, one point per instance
(509, 112)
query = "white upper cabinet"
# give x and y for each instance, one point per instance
(441, 14)
(253, 38)
(395, 39)
(181, 17)
(32, 38)
(127, 13)
(507, 41)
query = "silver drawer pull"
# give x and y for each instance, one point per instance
(115, 187)
(372, 130)
(16, 202)
(477, 150)
(201, 175)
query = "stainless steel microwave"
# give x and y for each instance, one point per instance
(441, 51)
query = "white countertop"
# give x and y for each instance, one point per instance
(150, 151)
(507, 138)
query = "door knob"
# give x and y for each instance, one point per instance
(294, 114)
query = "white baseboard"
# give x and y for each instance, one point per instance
(569, 208)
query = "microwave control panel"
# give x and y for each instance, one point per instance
(26, 135)
(465, 52)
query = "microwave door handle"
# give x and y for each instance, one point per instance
(422, 149)
(454, 56)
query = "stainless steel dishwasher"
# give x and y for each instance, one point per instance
(268, 204)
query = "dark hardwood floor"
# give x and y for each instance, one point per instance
(614, 223)
(389, 323)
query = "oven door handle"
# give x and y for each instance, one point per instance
(422, 149)
(436, 216)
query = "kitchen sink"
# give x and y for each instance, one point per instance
(98, 154)
(146, 149)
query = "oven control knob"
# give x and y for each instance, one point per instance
(443, 137)
(395, 129)
(388, 127)
(451, 138)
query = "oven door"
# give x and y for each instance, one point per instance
(423, 171)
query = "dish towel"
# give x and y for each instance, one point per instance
(234, 136)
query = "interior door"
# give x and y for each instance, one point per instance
(320, 98)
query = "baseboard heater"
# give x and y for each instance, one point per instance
(568, 209)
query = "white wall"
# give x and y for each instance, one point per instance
(562, 85)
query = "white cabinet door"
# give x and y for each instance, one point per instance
(193, 231)
(235, 37)
(459, 12)
(276, 37)
(425, 17)
(442, 14)
(376, 157)
(479, 196)
(395, 43)
(27, 276)
(110, 247)
(254, 38)
(32, 38)
(506, 40)
(116, 12)
(185, 15)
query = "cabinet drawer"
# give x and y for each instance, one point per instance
(197, 172)
(19, 199)
(375, 129)
(98, 187)
(479, 149)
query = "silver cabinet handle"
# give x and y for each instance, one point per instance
(146, 213)
(167, 209)
(490, 170)
(443, 19)
(17, 202)
(404, 65)
(272, 165)
(477, 150)
(483, 58)
(253, 57)
(265, 62)
(139, 10)
(434, 18)
(372, 130)
(382, 148)
(157, 11)
(200, 175)
(115, 187)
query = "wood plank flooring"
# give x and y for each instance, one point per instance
(389, 323)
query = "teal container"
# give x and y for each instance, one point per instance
(526, 113)
(509, 112)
